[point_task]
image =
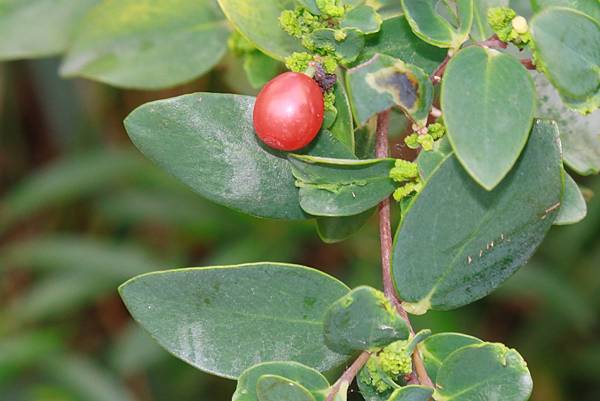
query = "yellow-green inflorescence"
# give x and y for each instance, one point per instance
(391, 364)
(300, 23)
(407, 174)
(426, 140)
(508, 26)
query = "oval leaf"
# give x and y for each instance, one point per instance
(438, 347)
(430, 26)
(488, 100)
(207, 140)
(397, 40)
(567, 47)
(338, 187)
(258, 20)
(383, 82)
(484, 372)
(362, 320)
(337, 229)
(579, 135)
(147, 44)
(38, 28)
(275, 388)
(412, 393)
(456, 243)
(310, 380)
(217, 318)
(573, 208)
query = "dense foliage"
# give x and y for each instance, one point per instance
(496, 105)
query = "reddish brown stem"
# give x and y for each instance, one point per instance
(495, 42)
(528, 63)
(437, 75)
(385, 233)
(348, 375)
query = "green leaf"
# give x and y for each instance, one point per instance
(67, 180)
(397, 40)
(386, 8)
(412, 393)
(579, 135)
(147, 44)
(364, 18)
(430, 26)
(260, 68)
(456, 243)
(572, 206)
(341, 187)
(427, 161)
(488, 100)
(310, 5)
(484, 372)
(481, 29)
(217, 318)
(310, 379)
(275, 388)
(363, 320)
(567, 49)
(346, 49)
(342, 128)
(38, 28)
(383, 82)
(589, 7)
(258, 20)
(438, 347)
(207, 140)
(337, 229)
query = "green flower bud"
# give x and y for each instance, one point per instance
(436, 130)
(412, 141)
(329, 64)
(331, 8)
(298, 62)
(404, 171)
(426, 142)
(395, 360)
(407, 190)
(329, 101)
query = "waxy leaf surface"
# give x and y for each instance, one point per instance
(338, 187)
(258, 20)
(484, 372)
(224, 320)
(438, 347)
(384, 82)
(458, 242)
(310, 379)
(488, 101)
(147, 44)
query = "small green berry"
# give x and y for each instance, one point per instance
(520, 25)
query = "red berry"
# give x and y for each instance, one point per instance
(288, 112)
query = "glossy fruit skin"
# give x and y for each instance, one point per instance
(288, 112)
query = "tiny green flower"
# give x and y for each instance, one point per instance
(404, 171)
(298, 62)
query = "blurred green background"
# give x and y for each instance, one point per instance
(81, 211)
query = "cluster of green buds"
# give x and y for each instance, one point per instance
(508, 26)
(425, 138)
(387, 368)
(321, 61)
(407, 174)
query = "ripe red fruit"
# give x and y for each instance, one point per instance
(288, 112)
